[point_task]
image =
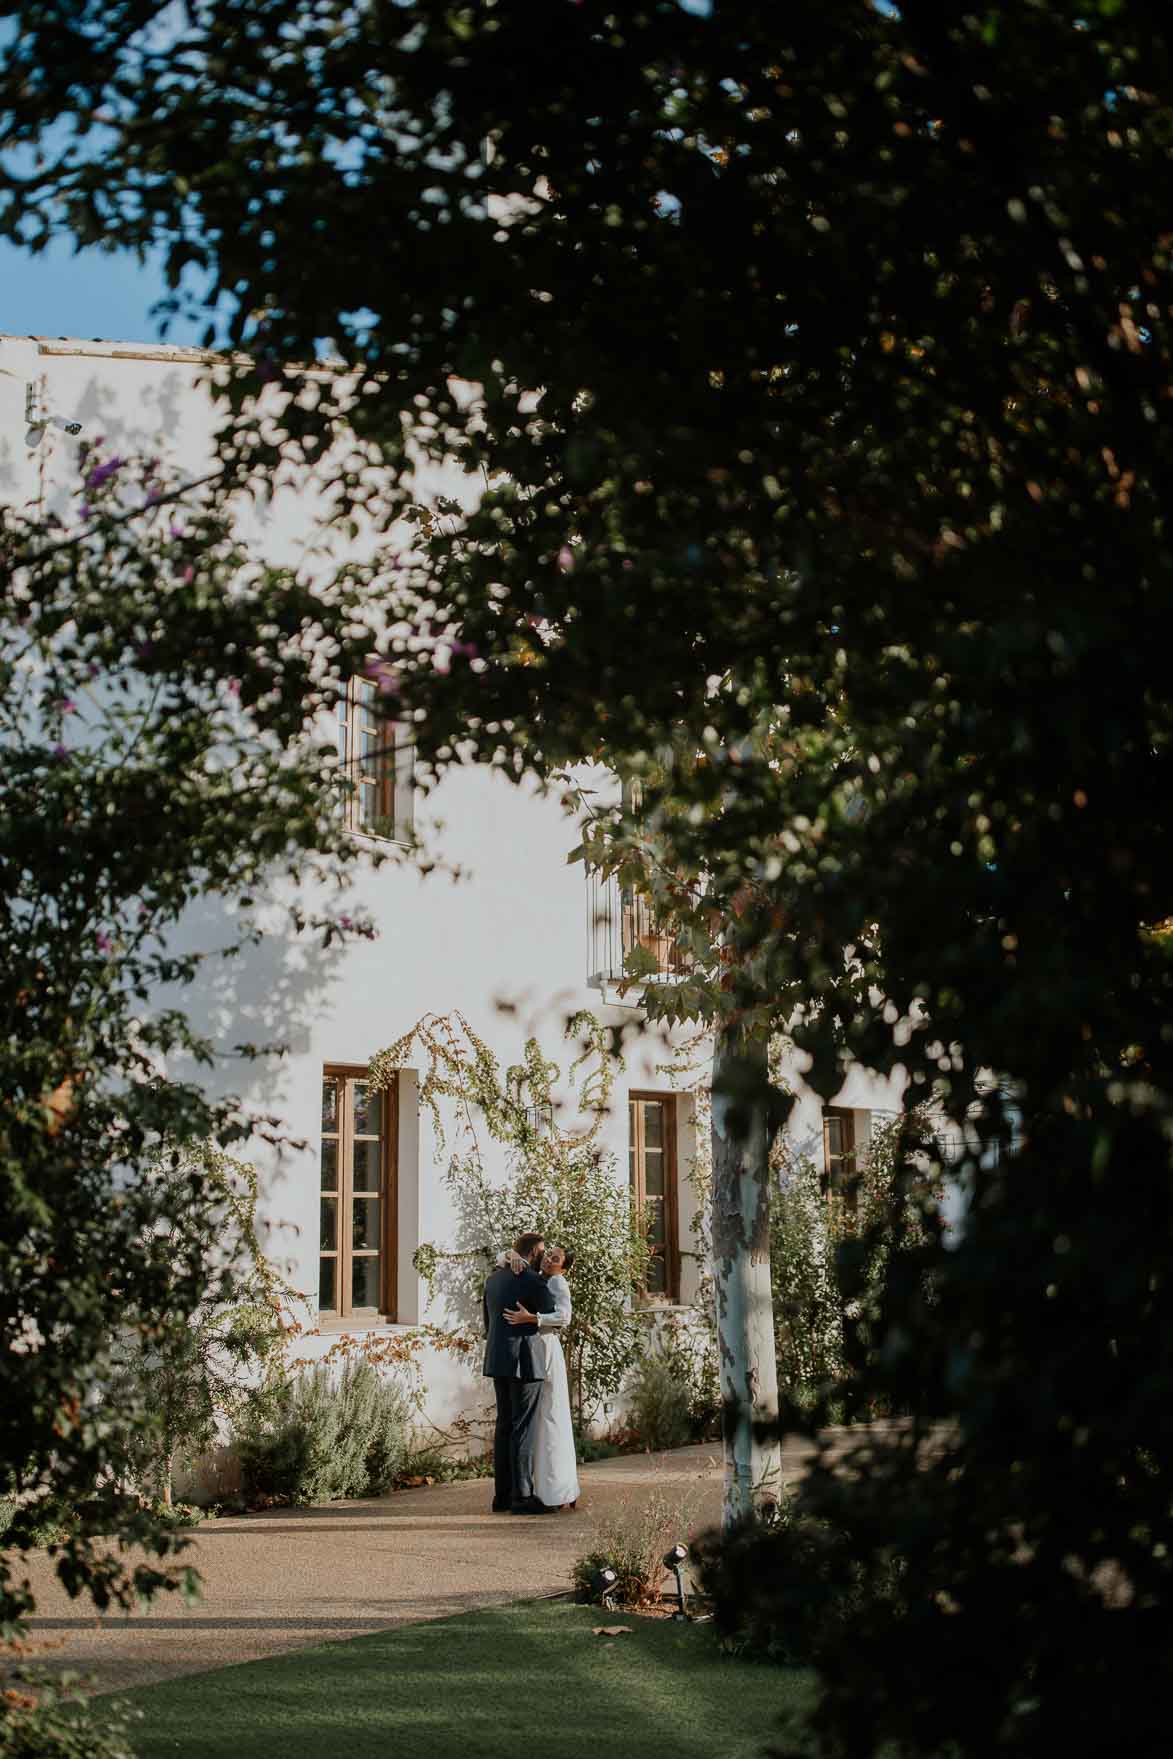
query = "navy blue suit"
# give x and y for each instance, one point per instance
(517, 1372)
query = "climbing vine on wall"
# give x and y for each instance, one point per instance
(560, 1182)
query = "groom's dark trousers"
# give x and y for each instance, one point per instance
(517, 1373)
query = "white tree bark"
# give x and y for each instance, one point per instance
(741, 1272)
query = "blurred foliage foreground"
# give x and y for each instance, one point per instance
(810, 372)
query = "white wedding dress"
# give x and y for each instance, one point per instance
(555, 1465)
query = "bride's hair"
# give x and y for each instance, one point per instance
(567, 1258)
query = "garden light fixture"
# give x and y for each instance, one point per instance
(674, 1560)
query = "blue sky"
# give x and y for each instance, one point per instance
(94, 293)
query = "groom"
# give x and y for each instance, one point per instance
(517, 1374)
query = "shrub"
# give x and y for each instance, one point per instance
(194, 1378)
(323, 1437)
(808, 1307)
(428, 1463)
(632, 1542)
(673, 1395)
(829, 1257)
(658, 1402)
(618, 1440)
(815, 1579)
(46, 1718)
(33, 1525)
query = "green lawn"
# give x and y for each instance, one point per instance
(530, 1679)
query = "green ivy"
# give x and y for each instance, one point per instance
(561, 1183)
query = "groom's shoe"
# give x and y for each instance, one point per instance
(531, 1506)
(501, 1508)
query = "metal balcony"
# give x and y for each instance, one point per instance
(618, 921)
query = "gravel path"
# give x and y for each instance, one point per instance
(290, 1578)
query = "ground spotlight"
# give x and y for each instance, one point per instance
(603, 1585)
(674, 1560)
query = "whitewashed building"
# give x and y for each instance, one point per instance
(522, 928)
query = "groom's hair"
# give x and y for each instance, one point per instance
(525, 1243)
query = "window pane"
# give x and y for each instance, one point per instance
(329, 1225)
(364, 1282)
(366, 1223)
(657, 1283)
(327, 1285)
(368, 1110)
(654, 1125)
(656, 1228)
(367, 1166)
(329, 1166)
(834, 1128)
(329, 1104)
(654, 1173)
(368, 808)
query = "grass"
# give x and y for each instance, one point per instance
(485, 1685)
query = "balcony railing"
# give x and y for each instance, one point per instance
(618, 921)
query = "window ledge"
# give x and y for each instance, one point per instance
(376, 842)
(336, 1328)
(629, 992)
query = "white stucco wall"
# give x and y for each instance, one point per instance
(506, 944)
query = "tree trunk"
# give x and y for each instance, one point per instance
(741, 1271)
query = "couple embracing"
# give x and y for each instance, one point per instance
(526, 1305)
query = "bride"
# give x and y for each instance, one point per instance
(555, 1465)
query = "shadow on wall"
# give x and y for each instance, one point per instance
(151, 421)
(12, 464)
(266, 995)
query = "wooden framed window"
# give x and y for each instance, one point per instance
(652, 1159)
(839, 1152)
(358, 1200)
(376, 757)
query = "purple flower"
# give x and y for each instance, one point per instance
(103, 942)
(84, 510)
(565, 558)
(346, 922)
(176, 529)
(101, 473)
(144, 649)
(61, 752)
(382, 673)
(465, 650)
(234, 686)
